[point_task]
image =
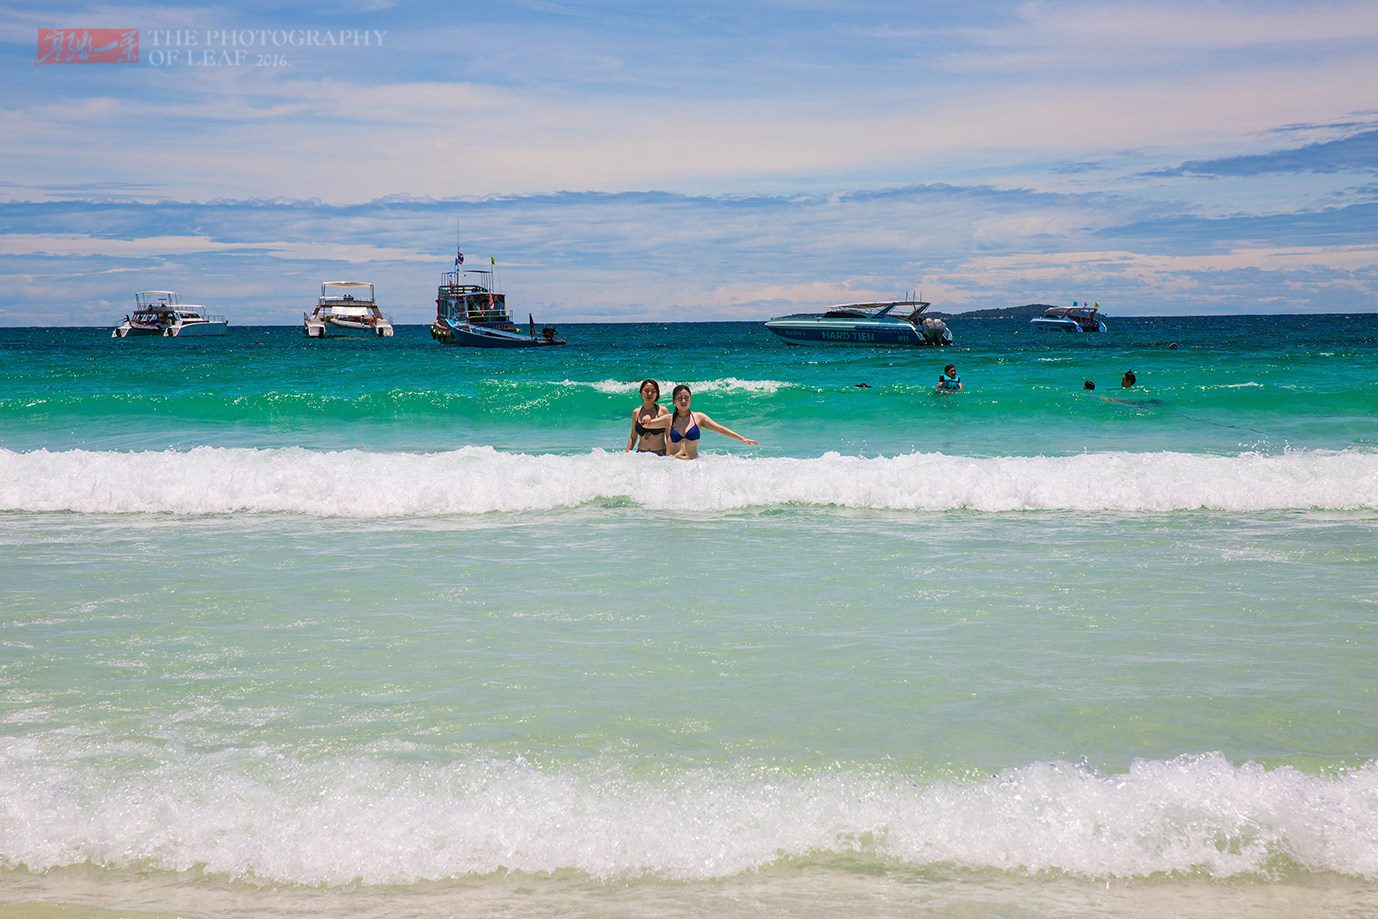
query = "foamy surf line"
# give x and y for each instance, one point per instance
(477, 480)
(270, 817)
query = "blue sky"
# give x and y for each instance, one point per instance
(696, 160)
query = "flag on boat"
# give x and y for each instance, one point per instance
(459, 258)
(492, 260)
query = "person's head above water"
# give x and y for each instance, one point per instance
(950, 370)
(1128, 379)
(681, 390)
(1088, 385)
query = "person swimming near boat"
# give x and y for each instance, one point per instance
(686, 427)
(948, 381)
(1128, 379)
(1088, 385)
(649, 422)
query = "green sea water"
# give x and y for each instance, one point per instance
(384, 628)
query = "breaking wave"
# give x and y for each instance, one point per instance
(271, 817)
(476, 480)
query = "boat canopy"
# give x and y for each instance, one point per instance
(156, 299)
(344, 285)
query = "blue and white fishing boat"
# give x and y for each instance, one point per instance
(471, 311)
(1070, 319)
(894, 324)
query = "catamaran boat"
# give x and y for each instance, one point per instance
(1070, 319)
(897, 323)
(471, 311)
(162, 312)
(347, 308)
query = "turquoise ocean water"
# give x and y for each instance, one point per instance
(385, 629)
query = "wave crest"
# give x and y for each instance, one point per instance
(260, 814)
(476, 480)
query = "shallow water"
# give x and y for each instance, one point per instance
(389, 629)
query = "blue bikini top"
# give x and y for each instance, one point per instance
(691, 433)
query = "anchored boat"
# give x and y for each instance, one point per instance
(1070, 319)
(897, 323)
(471, 311)
(162, 313)
(346, 308)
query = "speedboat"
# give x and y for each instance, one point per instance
(1070, 319)
(897, 323)
(346, 308)
(162, 313)
(471, 311)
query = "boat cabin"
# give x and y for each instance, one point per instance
(470, 296)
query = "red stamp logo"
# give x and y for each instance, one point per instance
(87, 46)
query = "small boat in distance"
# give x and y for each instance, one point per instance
(1070, 319)
(340, 312)
(873, 324)
(470, 311)
(162, 313)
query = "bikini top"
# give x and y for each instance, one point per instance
(643, 431)
(690, 433)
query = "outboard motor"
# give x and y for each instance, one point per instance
(935, 332)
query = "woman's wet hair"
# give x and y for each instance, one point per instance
(675, 395)
(950, 369)
(651, 383)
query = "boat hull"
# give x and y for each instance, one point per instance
(471, 336)
(1065, 325)
(317, 328)
(197, 329)
(862, 334)
(183, 330)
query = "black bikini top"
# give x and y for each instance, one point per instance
(643, 431)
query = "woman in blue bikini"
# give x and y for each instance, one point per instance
(685, 427)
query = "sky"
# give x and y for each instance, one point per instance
(693, 160)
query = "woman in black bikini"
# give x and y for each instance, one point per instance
(684, 427)
(649, 422)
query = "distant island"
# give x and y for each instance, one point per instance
(1028, 311)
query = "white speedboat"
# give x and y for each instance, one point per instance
(346, 308)
(162, 313)
(1069, 319)
(873, 324)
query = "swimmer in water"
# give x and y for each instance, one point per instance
(685, 427)
(948, 381)
(649, 422)
(1128, 379)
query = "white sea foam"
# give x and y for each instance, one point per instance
(265, 815)
(472, 480)
(726, 384)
